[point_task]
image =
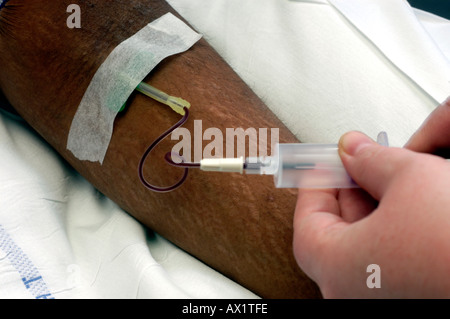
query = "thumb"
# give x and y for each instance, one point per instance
(372, 166)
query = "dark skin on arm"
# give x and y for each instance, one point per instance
(240, 225)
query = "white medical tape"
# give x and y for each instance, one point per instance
(116, 79)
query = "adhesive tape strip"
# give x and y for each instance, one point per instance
(116, 79)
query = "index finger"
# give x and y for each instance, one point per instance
(434, 133)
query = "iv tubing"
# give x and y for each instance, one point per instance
(152, 146)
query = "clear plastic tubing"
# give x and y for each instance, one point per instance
(177, 104)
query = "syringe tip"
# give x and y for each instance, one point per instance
(229, 165)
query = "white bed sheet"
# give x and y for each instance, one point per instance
(60, 238)
(323, 69)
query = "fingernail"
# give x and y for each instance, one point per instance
(353, 142)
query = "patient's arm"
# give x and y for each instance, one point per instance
(237, 224)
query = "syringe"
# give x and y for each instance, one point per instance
(294, 165)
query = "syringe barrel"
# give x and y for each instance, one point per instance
(310, 166)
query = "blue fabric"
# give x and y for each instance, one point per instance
(31, 278)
